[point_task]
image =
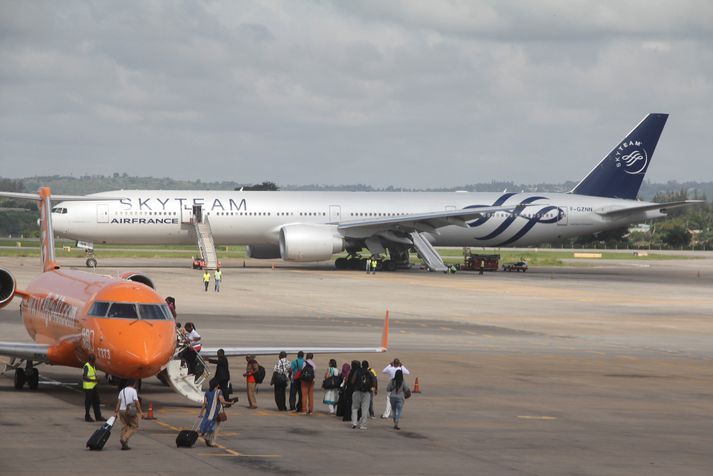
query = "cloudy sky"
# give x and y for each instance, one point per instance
(410, 93)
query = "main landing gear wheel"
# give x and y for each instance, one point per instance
(33, 378)
(91, 263)
(19, 378)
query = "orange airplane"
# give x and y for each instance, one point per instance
(122, 320)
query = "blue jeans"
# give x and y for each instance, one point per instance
(397, 405)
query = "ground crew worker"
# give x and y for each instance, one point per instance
(218, 278)
(206, 279)
(368, 265)
(91, 393)
(374, 263)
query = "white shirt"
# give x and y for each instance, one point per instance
(194, 338)
(391, 370)
(127, 395)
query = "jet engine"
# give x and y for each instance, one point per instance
(7, 287)
(264, 251)
(139, 278)
(309, 242)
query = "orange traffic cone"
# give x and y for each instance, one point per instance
(416, 387)
(149, 415)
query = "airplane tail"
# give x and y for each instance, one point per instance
(49, 261)
(620, 173)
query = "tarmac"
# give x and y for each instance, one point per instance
(603, 369)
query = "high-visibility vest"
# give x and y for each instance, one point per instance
(218, 275)
(206, 277)
(374, 263)
(91, 375)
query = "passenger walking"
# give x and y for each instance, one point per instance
(363, 383)
(374, 391)
(206, 279)
(171, 303)
(368, 265)
(280, 377)
(295, 387)
(190, 353)
(390, 370)
(346, 370)
(91, 392)
(345, 399)
(250, 371)
(331, 395)
(222, 373)
(399, 392)
(218, 276)
(213, 413)
(307, 385)
(128, 409)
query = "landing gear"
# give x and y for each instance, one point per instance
(33, 378)
(29, 375)
(91, 263)
(19, 378)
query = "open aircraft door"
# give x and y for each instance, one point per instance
(335, 214)
(102, 213)
(186, 214)
(563, 216)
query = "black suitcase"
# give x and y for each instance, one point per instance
(100, 436)
(187, 438)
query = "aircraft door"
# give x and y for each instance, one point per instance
(102, 213)
(563, 216)
(335, 214)
(186, 214)
(198, 213)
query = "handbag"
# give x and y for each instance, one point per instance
(222, 416)
(407, 392)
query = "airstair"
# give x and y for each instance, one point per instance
(427, 253)
(175, 374)
(206, 244)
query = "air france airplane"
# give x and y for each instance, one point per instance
(312, 226)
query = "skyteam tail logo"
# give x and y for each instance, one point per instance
(632, 157)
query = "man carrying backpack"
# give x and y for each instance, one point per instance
(295, 382)
(307, 385)
(251, 375)
(363, 382)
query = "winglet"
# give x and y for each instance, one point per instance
(385, 333)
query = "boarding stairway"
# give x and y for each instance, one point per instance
(427, 253)
(175, 374)
(206, 244)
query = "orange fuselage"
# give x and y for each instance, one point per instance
(56, 310)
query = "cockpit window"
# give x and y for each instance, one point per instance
(152, 311)
(99, 309)
(127, 310)
(124, 310)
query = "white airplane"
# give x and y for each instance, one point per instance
(312, 226)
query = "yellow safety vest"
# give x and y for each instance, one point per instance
(206, 277)
(91, 375)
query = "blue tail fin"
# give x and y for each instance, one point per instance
(620, 173)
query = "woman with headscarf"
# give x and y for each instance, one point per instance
(345, 400)
(399, 393)
(213, 412)
(346, 368)
(331, 395)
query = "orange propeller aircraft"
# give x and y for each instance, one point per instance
(122, 320)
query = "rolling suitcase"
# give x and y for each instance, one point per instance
(100, 436)
(188, 438)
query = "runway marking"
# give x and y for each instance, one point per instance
(536, 417)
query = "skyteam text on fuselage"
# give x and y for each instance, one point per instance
(312, 226)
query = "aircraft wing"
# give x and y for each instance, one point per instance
(239, 351)
(429, 221)
(662, 207)
(19, 350)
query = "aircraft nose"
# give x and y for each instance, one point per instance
(141, 348)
